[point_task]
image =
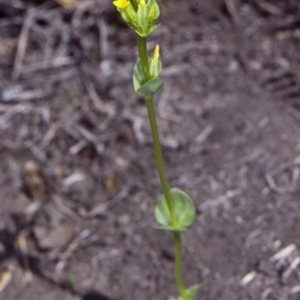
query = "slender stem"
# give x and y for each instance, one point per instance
(143, 55)
(158, 157)
(178, 259)
(142, 46)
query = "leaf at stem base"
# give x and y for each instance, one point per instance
(191, 292)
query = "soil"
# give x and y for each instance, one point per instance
(78, 182)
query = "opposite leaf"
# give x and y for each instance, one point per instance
(191, 292)
(139, 77)
(183, 208)
(142, 87)
(150, 88)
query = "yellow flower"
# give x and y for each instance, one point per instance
(142, 3)
(122, 4)
(155, 55)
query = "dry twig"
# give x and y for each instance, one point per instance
(23, 40)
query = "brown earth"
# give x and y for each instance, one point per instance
(78, 181)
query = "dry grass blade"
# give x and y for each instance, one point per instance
(270, 8)
(232, 9)
(23, 40)
(21, 244)
(100, 105)
(68, 3)
(5, 278)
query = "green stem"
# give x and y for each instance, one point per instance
(142, 46)
(143, 53)
(178, 259)
(158, 157)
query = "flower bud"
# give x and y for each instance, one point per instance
(155, 55)
(155, 63)
(140, 15)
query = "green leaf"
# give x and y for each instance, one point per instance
(139, 77)
(152, 29)
(70, 281)
(183, 208)
(150, 88)
(142, 87)
(147, 32)
(192, 291)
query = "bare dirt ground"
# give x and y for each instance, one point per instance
(78, 183)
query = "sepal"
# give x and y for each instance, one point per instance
(153, 11)
(141, 16)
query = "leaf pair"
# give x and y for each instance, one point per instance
(143, 87)
(191, 292)
(184, 211)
